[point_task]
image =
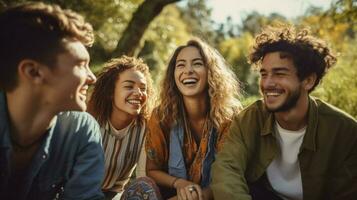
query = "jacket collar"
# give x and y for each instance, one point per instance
(309, 141)
(5, 141)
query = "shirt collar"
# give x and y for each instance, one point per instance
(309, 141)
(49, 135)
(268, 125)
(5, 129)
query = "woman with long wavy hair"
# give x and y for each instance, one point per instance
(198, 100)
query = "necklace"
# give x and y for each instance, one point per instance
(191, 133)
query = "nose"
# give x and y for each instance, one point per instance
(268, 81)
(137, 91)
(91, 77)
(189, 69)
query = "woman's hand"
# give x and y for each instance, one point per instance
(187, 190)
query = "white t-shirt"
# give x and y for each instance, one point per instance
(284, 171)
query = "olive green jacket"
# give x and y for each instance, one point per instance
(327, 157)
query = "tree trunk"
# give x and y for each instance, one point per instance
(141, 19)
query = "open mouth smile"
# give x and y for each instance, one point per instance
(189, 81)
(273, 93)
(134, 102)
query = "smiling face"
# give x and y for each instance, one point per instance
(279, 83)
(67, 82)
(190, 73)
(130, 93)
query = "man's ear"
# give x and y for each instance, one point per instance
(309, 81)
(31, 70)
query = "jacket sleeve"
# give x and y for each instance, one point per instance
(228, 181)
(344, 184)
(88, 168)
(155, 145)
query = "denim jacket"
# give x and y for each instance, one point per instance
(69, 163)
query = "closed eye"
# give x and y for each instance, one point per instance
(198, 64)
(128, 86)
(180, 65)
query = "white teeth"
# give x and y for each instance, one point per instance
(134, 101)
(272, 94)
(189, 81)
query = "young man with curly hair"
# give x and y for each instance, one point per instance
(289, 145)
(46, 151)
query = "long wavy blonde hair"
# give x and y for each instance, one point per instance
(223, 88)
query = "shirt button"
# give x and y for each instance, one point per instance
(43, 156)
(53, 185)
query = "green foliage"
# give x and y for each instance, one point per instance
(254, 22)
(336, 26)
(339, 87)
(197, 16)
(235, 51)
(249, 100)
(344, 11)
(160, 40)
(176, 24)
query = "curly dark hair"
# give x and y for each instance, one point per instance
(309, 54)
(34, 30)
(101, 101)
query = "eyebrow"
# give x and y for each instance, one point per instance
(128, 81)
(195, 59)
(276, 69)
(133, 82)
(181, 60)
(280, 69)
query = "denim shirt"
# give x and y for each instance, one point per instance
(69, 163)
(176, 163)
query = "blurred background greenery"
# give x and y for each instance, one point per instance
(151, 29)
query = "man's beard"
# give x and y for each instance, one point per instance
(289, 103)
